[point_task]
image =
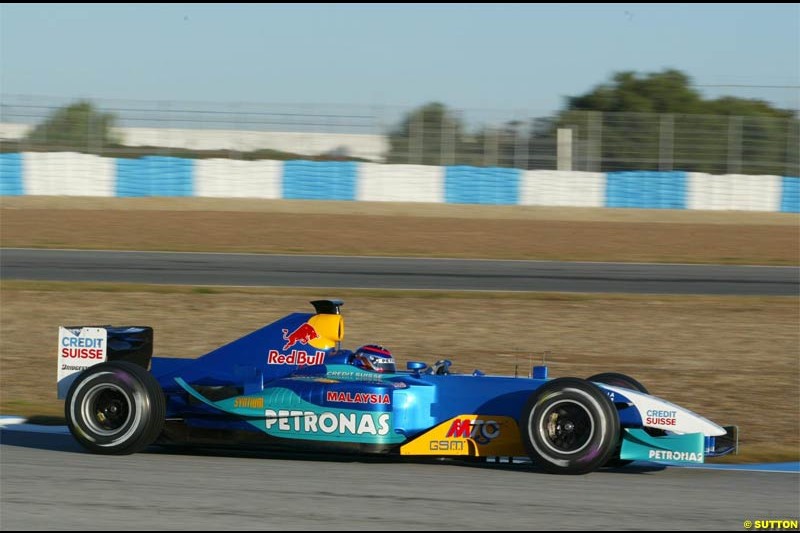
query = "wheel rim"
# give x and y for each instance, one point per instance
(566, 427)
(107, 409)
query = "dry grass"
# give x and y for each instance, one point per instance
(405, 209)
(735, 360)
(363, 228)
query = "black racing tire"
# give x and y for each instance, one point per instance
(616, 379)
(569, 426)
(115, 408)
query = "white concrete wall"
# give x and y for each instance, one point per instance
(371, 147)
(400, 183)
(227, 178)
(737, 192)
(557, 187)
(68, 174)
(12, 132)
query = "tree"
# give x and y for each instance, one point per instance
(663, 92)
(78, 126)
(428, 135)
(659, 120)
(655, 121)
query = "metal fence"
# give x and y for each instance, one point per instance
(428, 135)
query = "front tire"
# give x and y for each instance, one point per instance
(115, 408)
(569, 426)
(615, 379)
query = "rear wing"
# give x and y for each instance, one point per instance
(81, 347)
(271, 352)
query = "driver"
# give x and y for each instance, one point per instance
(374, 358)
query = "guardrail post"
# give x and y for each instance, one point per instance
(564, 149)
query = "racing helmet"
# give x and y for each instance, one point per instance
(374, 358)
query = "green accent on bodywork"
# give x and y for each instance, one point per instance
(223, 405)
(287, 415)
(637, 445)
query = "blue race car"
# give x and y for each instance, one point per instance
(290, 385)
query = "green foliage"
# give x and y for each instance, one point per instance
(423, 134)
(651, 122)
(78, 126)
(665, 92)
(728, 105)
(661, 122)
(433, 135)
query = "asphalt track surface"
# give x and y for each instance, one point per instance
(394, 273)
(48, 482)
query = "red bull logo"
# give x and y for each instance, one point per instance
(303, 335)
(296, 358)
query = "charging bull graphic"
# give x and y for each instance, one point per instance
(303, 334)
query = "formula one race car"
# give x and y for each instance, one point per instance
(289, 385)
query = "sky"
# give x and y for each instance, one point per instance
(527, 57)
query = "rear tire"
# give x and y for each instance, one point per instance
(569, 426)
(115, 408)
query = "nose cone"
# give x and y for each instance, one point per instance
(661, 414)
